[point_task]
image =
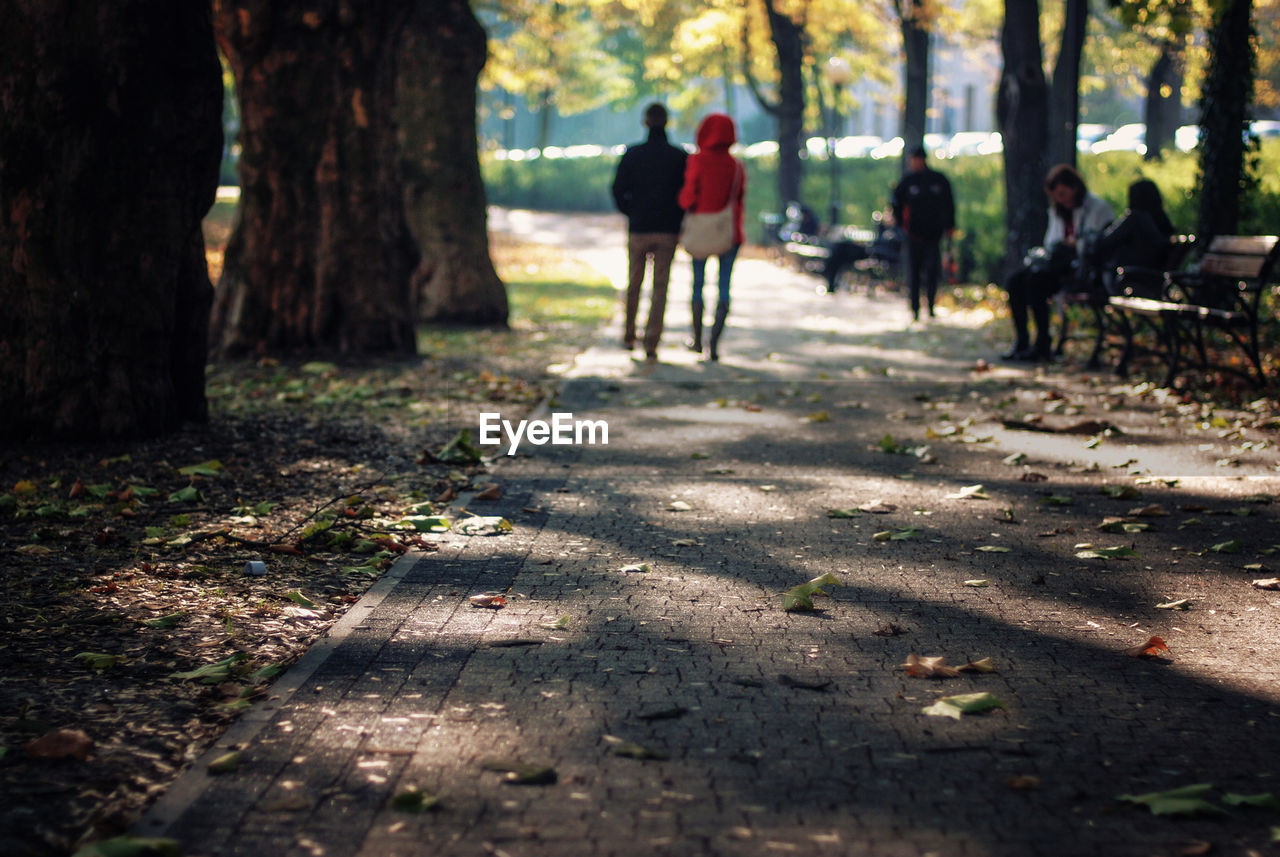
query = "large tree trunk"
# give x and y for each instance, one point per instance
(1162, 109)
(1022, 111)
(788, 39)
(321, 257)
(1224, 103)
(110, 140)
(1064, 108)
(915, 105)
(441, 55)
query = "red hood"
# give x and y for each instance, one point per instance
(717, 132)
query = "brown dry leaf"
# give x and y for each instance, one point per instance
(1150, 649)
(984, 665)
(918, 667)
(1196, 848)
(878, 507)
(445, 496)
(1032, 476)
(1267, 583)
(1023, 782)
(488, 491)
(1155, 510)
(492, 602)
(61, 744)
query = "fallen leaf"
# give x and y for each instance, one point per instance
(1150, 649)
(993, 549)
(966, 703)
(1232, 546)
(919, 667)
(1188, 800)
(977, 583)
(491, 602)
(168, 621)
(481, 526)
(204, 468)
(679, 506)
(899, 535)
(843, 513)
(520, 774)
(1155, 510)
(100, 660)
(426, 523)
(214, 673)
(632, 750)
(1118, 552)
(61, 744)
(1019, 783)
(415, 800)
(1266, 800)
(1180, 604)
(301, 600)
(558, 625)
(33, 550)
(131, 846)
(1267, 583)
(878, 507)
(970, 492)
(800, 598)
(636, 567)
(1058, 500)
(488, 492)
(226, 763)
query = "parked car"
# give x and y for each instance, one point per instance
(1126, 138)
(1088, 133)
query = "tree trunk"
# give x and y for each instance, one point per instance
(441, 54)
(915, 105)
(110, 142)
(1022, 112)
(1224, 103)
(1163, 107)
(321, 257)
(788, 40)
(1064, 109)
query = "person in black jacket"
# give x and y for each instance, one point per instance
(645, 188)
(925, 211)
(1140, 238)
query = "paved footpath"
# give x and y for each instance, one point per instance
(643, 654)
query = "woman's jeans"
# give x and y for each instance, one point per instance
(725, 272)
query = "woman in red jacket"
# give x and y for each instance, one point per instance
(712, 180)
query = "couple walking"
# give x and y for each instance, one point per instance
(655, 185)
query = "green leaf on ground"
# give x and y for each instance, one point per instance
(900, 535)
(1123, 526)
(168, 621)
(301, 600)
(970, 492)
(415, 800)
(521, 774)
(978, 584)
(131, 846)
(226, 763)
(800, 598)
(478, 526)
(1180, 604)
(204, 468)
(843, 513)
(1188, 800)
(558, 625)
(965, 703)
(1122, 492)
(1233, 546)
(636, 568)
(1015, 459)
(100, 660)
(190, 494)
(1266, 800)
(632, 750)
(426, 523)
(213, 673)
(460, 450)
(1117, 552)
(1058, 500)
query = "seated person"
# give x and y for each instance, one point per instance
(1140, 238)
(1074, 214)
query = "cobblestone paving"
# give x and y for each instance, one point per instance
(792, 733)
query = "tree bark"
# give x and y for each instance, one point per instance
(110, 141)
(442, 53)
(1064, 109)
(788, 39)
(1022, 112)
(915, 105)
(1162, 109)
(321, 257)
(1225, 98)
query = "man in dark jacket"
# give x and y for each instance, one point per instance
(925, 211)
(645, 189)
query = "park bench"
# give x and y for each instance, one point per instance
(1223, 292)
(1089, 294)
